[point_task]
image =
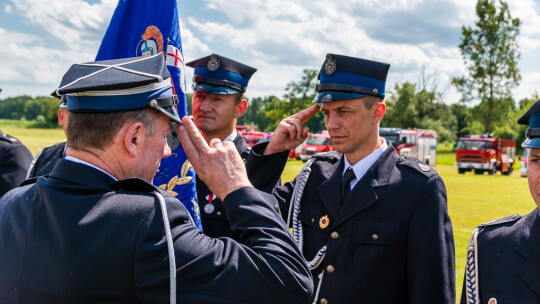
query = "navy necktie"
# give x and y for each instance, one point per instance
(346, 184)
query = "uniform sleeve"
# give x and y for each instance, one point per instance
(430, 248)
(264, 171)
(14, 163)
(265, 266)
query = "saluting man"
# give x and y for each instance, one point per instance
(503, 257)
(219, 84)
(373, 226)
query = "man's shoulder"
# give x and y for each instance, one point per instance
(415, 166)
(53, 148)
(503, 230)
(327, 157)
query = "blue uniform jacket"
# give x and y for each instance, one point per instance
(79, 237)
(509, 260)
(390, 242)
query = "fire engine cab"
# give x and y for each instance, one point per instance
(483, 153)
(421, 144)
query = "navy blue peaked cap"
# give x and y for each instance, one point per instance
(119, 85)
(216, 74)
(343, 77)
(532, 119)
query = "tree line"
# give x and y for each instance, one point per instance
(490, 53)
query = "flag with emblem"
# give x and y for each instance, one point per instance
(142, 28)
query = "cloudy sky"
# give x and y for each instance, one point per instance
(42, 38)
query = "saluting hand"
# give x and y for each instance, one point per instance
(219, 165)
(290, 131)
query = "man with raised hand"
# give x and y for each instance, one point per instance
(373, 226)
(96, 229)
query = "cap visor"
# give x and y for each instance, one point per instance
(532, 143)
(212, 89)
(171, 112)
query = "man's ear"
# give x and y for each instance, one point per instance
(133, 136)
(241, 108)
(378, 113)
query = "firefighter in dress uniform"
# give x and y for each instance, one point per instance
(503, 256)
(373, 226)
(219, 84)
(97, 231)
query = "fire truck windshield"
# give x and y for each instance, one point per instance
(318, 141)
(475, 145)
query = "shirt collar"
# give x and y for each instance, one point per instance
(76, 160)
(361, 167)
(231, 137)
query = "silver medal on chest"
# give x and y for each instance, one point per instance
(209, 208)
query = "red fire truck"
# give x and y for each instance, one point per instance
(483, 153)
(316, 143)
(418, 143)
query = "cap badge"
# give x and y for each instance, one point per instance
(324, 221)
(424, 167)
(213, 64)
(329, 65)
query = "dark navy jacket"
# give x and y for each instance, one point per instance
(46, 159)
(264, 173)
(390, 242)
(79, 237)
(15, 159)
(509, 260)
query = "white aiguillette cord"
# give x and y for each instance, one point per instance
(298, 232)
(170, 247)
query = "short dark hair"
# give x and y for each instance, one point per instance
(239, 97)
(370, 101)
(97, 130)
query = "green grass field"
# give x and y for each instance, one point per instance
(33, 138)
(472, 199)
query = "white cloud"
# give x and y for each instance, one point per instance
(74, 22)
(278, 37)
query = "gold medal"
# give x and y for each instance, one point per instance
(324, 221)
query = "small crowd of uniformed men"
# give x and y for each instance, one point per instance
(368, 225)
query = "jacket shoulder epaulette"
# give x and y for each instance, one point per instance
(10, 139)
(55, 145)
(417, 165)
(329, 154)
(504, 220)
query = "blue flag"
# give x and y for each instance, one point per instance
(143, 28)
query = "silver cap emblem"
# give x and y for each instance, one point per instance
(329, 65)
(213, 64)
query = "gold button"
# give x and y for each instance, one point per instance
(334, 235)
(324, 301)
(375, 237)
(330, 269)
(218, 213)
(312, 220)
(492, 301)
